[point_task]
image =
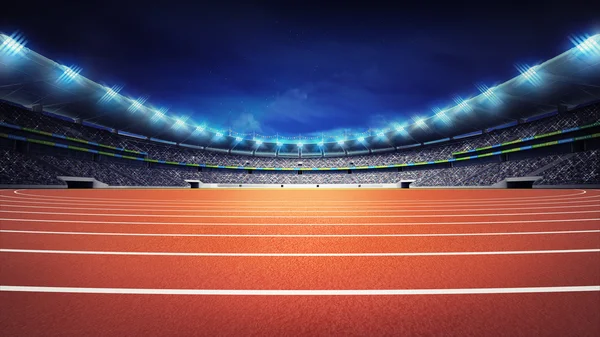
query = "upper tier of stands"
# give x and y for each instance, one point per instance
(25, 118)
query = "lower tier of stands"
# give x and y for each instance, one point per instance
(570, 169)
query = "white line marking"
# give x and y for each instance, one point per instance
(296, 205)
(92, 252)
(274, 292)
(436, 201)
(303, 216)
(296, 210)
(299, 235)
(296, 224)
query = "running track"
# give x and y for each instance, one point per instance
(299, 262)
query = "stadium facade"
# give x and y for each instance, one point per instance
(544, 123)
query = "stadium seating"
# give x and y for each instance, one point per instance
(18, 168)
(25, 118)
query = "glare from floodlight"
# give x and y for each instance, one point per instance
(279, 143)
(399, 128)
(420, 122)
(441, 115)
(258, 142)
(137, 104)
(12, 45)
(462, 104)
(321, 143)
(340, 142)
(586, 44)
(69, 74)
(179, 123)
(110, 94)
(489, 93)
(300, 145)
(361, 139)
(530, 73)
(381, 134)
(238, 139)
(159, 115)
(198, 130)
(219, 134)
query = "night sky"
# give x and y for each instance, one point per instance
(300, 67)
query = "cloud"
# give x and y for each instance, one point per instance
(293, 105)
(246, 122)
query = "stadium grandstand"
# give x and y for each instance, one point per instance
(548, 130)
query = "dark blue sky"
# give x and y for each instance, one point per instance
(299, 67)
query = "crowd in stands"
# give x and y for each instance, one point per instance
(580, 168)
(17, 168)
(155, 150)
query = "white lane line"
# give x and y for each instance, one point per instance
(303, 216)
(300, 235)
(436, 201)
(298, 224)
(318, 292)
(582, 200)
(297, 210)
(94, 252)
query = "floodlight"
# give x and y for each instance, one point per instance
(279, 143)
(199, 128)
(110, 94)
(420, 121)
(136, 105)
(399, 128)
(69, 74)
(380, 134)
(340, 142)
(462, 104)
(321, 143)
(258, 142)
(529, 73)
(159, 114)
(238, 139)
(585, 44)
(12, 45)
(361, 139)
(300, 145)
(219, 134)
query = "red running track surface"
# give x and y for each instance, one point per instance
(300, 262)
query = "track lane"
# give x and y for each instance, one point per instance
(449, 315)
(414, 272)
(301, 244)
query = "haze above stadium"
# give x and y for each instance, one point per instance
(302, 67)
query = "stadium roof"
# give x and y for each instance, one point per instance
(28, 78)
